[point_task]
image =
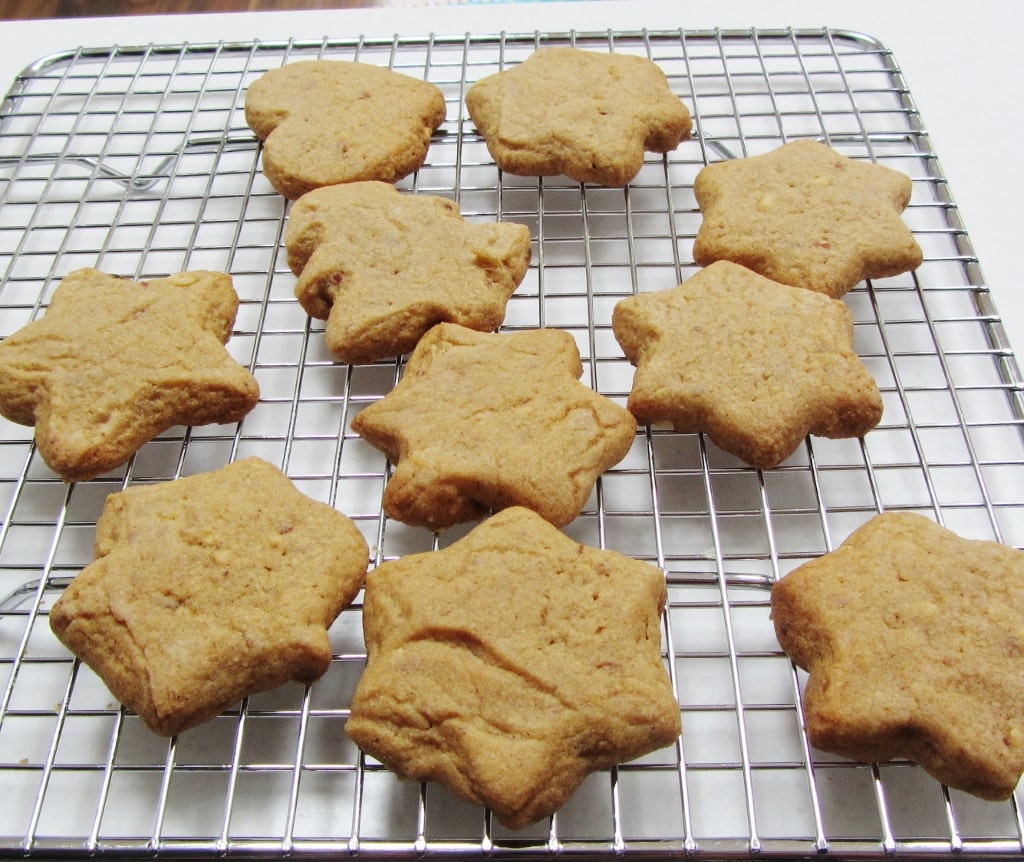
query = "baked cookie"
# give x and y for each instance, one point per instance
(584, 114)
(806, 215)
(383, 267)
(511, 664)
(324, 122)
(114, 362)
(484, 421)
(210, 588)
(755, 365)
(914, 641)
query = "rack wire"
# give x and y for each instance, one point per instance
(136, 160)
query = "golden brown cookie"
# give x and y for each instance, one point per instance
(324, 122)
(584, 114)
(914, 641)
(115, 362)
(806, 215)
(485, 421)
(755, 365)
(210, 588)
(383, 267)
(511, 664)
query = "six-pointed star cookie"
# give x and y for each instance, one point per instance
(210, 588)
(383, 267)
(112, 363)
(913, 638)
(485, 421)
(324, 122)
(806, 215)
(584, 114)
(511, 664)
(756, 365)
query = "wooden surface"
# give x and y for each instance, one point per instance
(12, 9)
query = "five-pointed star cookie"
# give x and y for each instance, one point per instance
(584, 114)
(485, 421)
(913, 638)
(754, 364)
(112, 363)
(210, 588)
(511, 664)
(806, 215)
(324, 122)
(383, 267)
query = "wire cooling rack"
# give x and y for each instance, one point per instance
(137, 161)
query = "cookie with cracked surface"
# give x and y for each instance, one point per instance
(324, 122)
(210, 588)
(808, 216)
(584, 114)
(114, 362)
(484, 421)
(383, 267)
(511, 664)
(754, 364)
(914, 644)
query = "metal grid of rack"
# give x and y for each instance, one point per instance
(137, 161)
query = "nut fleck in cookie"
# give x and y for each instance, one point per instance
(806, 215)
(914, 641)
(755, 365)
(512, 664)
(210, 588)
(324, 122)
(485, 421)
(383, 267)
(584, 114)
(112, 363)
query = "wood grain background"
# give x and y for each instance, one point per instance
(13, 9)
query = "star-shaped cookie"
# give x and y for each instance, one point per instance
(210, 588)
(584, 114)
(324, 122)
(511, 664)
(755, 365)
(113, 362)
(806, 215)
(913, 638)
(383, 267)
(485, 421)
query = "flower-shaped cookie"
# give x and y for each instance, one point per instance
(112, 363)
(913, 638)
(584, 114)
(806, 215)
(324, 122)
(210, 588)
(512, 664)
(383, 267)
(754, 364)
(485, 421)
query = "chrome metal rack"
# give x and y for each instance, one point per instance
(136, 160)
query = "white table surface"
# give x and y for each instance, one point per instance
(961, 63)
